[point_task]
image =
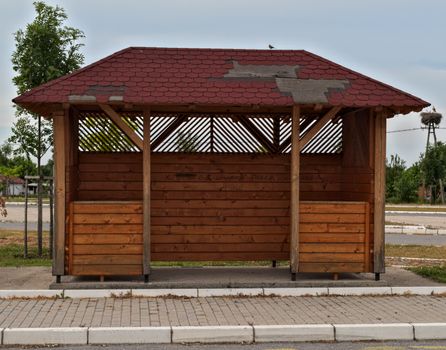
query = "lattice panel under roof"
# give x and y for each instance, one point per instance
(219, 133)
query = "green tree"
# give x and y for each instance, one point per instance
(394, 170)
(45, 50)
(433, 168)
(407, 185)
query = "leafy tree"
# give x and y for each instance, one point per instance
(407, 185)
(15, 165)
(433, 167)
(45, 50)
(394, 170)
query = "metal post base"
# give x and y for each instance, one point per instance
(377, 276)
(274, 263)
(146, 278)
(293, 276)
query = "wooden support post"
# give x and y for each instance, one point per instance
(59, 126)
(379, 191)
(294, 205)
(127, 130)
(146, 195)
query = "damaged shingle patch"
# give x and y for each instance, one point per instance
(310, 90)
(261, 71)
(285, 76)
(105, 90)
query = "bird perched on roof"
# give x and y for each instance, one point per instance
(271, 46)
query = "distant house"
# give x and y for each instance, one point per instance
(11, 186)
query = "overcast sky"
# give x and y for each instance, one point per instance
(400, 42)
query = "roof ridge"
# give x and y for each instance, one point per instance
(365, 77)
(210, 48)
(69, 75)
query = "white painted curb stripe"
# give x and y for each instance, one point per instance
(45, 336)
(223, 334)
(129, 335)
(360, 291)
(294, 333)
(392, 331)
(31, 293)
(217, 292)
(213, 334)
(429, 331)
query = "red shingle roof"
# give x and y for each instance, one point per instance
(220, 77)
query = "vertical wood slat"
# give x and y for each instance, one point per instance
(70, 237)
(379, 192)
(59, 126)
(294, 205)
(146, 194)
(367, 237)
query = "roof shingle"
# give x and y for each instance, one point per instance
(219, 76)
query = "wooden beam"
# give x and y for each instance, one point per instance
(318, 126)
(59, 125)
(254, 131)
(146, 194)
(116, 118)
(379, 191)
(294, 205)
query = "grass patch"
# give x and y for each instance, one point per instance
(12, 255)
(435, 273)
(416, 251)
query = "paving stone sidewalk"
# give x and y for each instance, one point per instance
(120, 312)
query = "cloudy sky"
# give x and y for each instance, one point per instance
(400, 42)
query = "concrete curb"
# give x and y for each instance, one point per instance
(31, 293)
(392, 331)
(223, 334)
(45, 336)
(220, 292)
(129, 335)
(414, 230)
(213, 334)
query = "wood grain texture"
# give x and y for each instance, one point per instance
(295, 191)
(59, 126)
(379, 195)
(147, 182)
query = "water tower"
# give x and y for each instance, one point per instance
(431, 120)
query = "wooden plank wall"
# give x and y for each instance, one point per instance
(118, 176)
(221, 207)
(105, 238)
(334, 237)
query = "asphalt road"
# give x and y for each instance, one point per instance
(396, 238)
(425, 345)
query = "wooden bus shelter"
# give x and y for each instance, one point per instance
(217, 155)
